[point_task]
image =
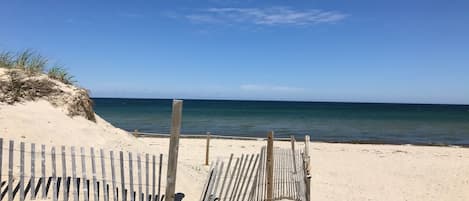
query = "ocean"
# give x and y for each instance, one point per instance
(421, 124)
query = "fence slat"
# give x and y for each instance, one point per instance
(83, 174)
(113, 176)
(103, 172)
(64, 175)
(22, 171)
(147, 197)
(270, 167)
(43, 170)
(159, 178)
(93, 174)
(10, 171)
(153, 158)
(139, 179)
(131, 179)
(74, 175)
(121, 161)
(33, 171)
(54, 176)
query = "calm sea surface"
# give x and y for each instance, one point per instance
(323, 121)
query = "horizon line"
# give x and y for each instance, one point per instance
(288, 100)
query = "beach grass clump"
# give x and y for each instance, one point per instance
(6, 60)
(33, 63)
(59, 73)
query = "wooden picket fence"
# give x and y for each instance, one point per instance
(275, 175)
(49, 174)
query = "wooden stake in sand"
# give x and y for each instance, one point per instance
(173, 149)
(270, 165)
(207, 148)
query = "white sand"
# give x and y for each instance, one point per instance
(339, 171)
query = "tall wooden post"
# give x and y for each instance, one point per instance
(307, 168)
(270, 165)
(207, 148)
(173, 150)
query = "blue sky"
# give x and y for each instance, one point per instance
(361, 51)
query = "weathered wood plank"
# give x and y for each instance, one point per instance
(74, 174)
(64, 175)
(153, 158)
(21, 171)
(54, 175)
(139, 175)
(43, 170)
(159, 177)
(270, 165)
(121, 161)
(131, 179)
(103, 174)
(147, 183)
(113, 176)
(33, 171)
(93, 174)
(10, 171)
(83, 174)
(173, 150)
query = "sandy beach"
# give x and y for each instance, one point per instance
(339, 171)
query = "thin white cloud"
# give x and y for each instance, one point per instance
(265, 16)
(269, 88)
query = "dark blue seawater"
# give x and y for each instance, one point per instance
(323, 121)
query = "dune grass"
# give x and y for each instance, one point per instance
(34, 63)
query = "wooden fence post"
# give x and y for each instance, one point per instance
(270, 165)
(207, 148)
(173, 150)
